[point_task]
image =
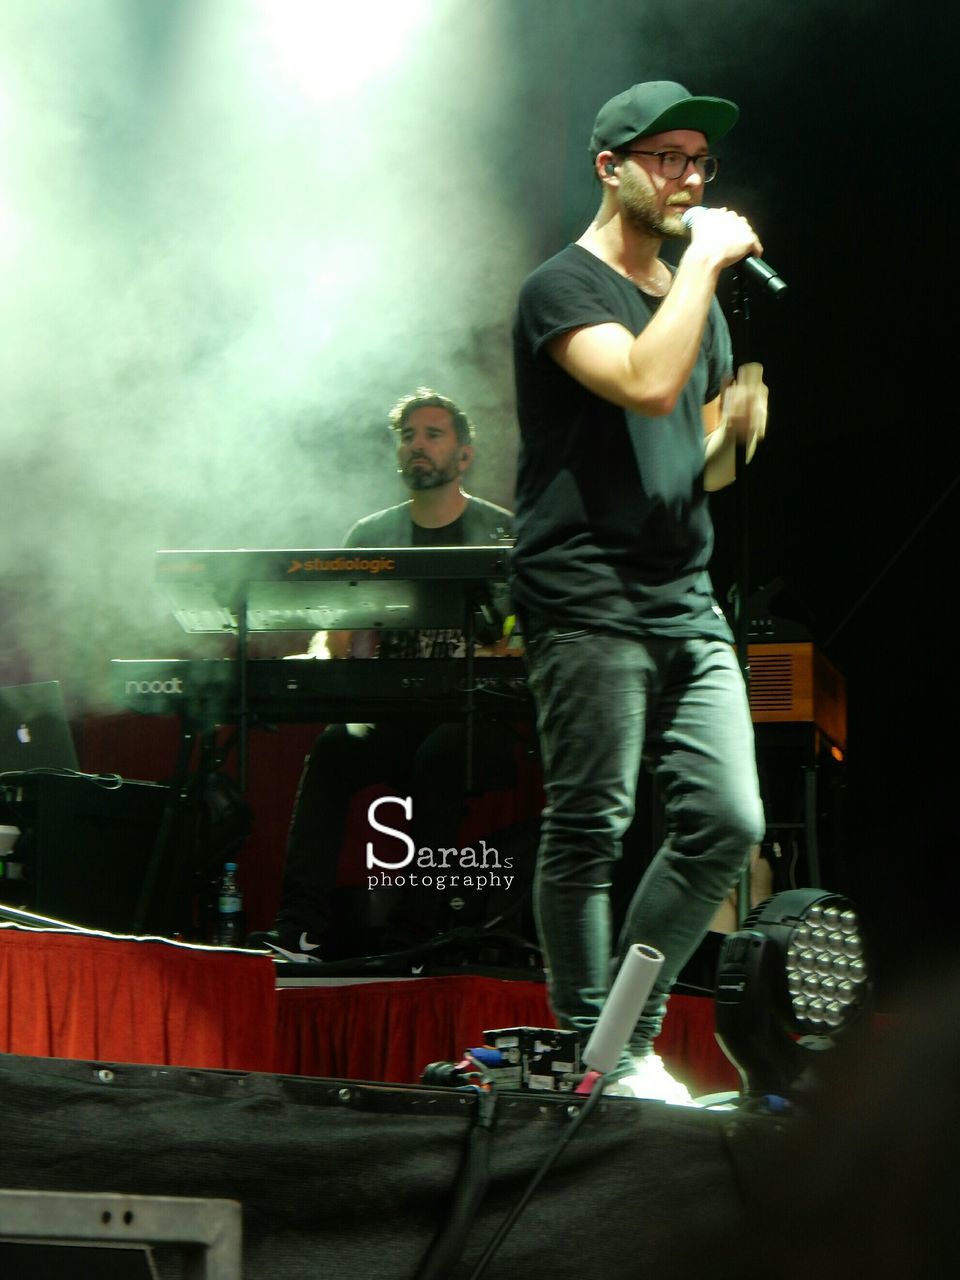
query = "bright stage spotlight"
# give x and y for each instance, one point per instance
(793, 978)
(326, 50)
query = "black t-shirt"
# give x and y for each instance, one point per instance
(438, 642)
(450, 535)
(613, 531)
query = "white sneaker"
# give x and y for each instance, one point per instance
(651, 1080)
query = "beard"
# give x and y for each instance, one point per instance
(639, 207)
(431, 476)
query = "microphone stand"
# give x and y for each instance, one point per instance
(740, 307)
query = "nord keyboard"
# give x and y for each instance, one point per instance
(330, 589)
(307, 691)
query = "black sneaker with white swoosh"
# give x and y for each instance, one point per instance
(290, 942)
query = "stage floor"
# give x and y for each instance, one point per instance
(353, 1180)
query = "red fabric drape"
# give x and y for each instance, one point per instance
(72, 996)
(689, 1047)
(392, 1030)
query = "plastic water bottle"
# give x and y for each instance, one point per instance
(230, 926)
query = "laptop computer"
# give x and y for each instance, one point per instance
(34, 730)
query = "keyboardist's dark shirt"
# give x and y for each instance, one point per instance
(481, 524)
(444, 642)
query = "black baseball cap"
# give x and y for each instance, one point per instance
(654, 107)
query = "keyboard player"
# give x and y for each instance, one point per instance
(434, 443)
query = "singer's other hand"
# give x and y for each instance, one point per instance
(744, 406)
(724, 236)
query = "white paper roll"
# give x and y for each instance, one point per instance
(619, 1016)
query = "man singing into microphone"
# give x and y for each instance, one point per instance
(627, 419)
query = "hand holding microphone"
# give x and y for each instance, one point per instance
(732, 236)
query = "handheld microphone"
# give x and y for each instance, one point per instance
(756, 266)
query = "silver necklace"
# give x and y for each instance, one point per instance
(655, 288)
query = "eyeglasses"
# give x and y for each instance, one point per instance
(673, 164)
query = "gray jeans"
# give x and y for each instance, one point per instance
(605, 703)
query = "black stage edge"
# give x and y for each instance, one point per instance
(350, 1179)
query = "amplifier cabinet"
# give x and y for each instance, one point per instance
(86, 852)
(795, 683)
